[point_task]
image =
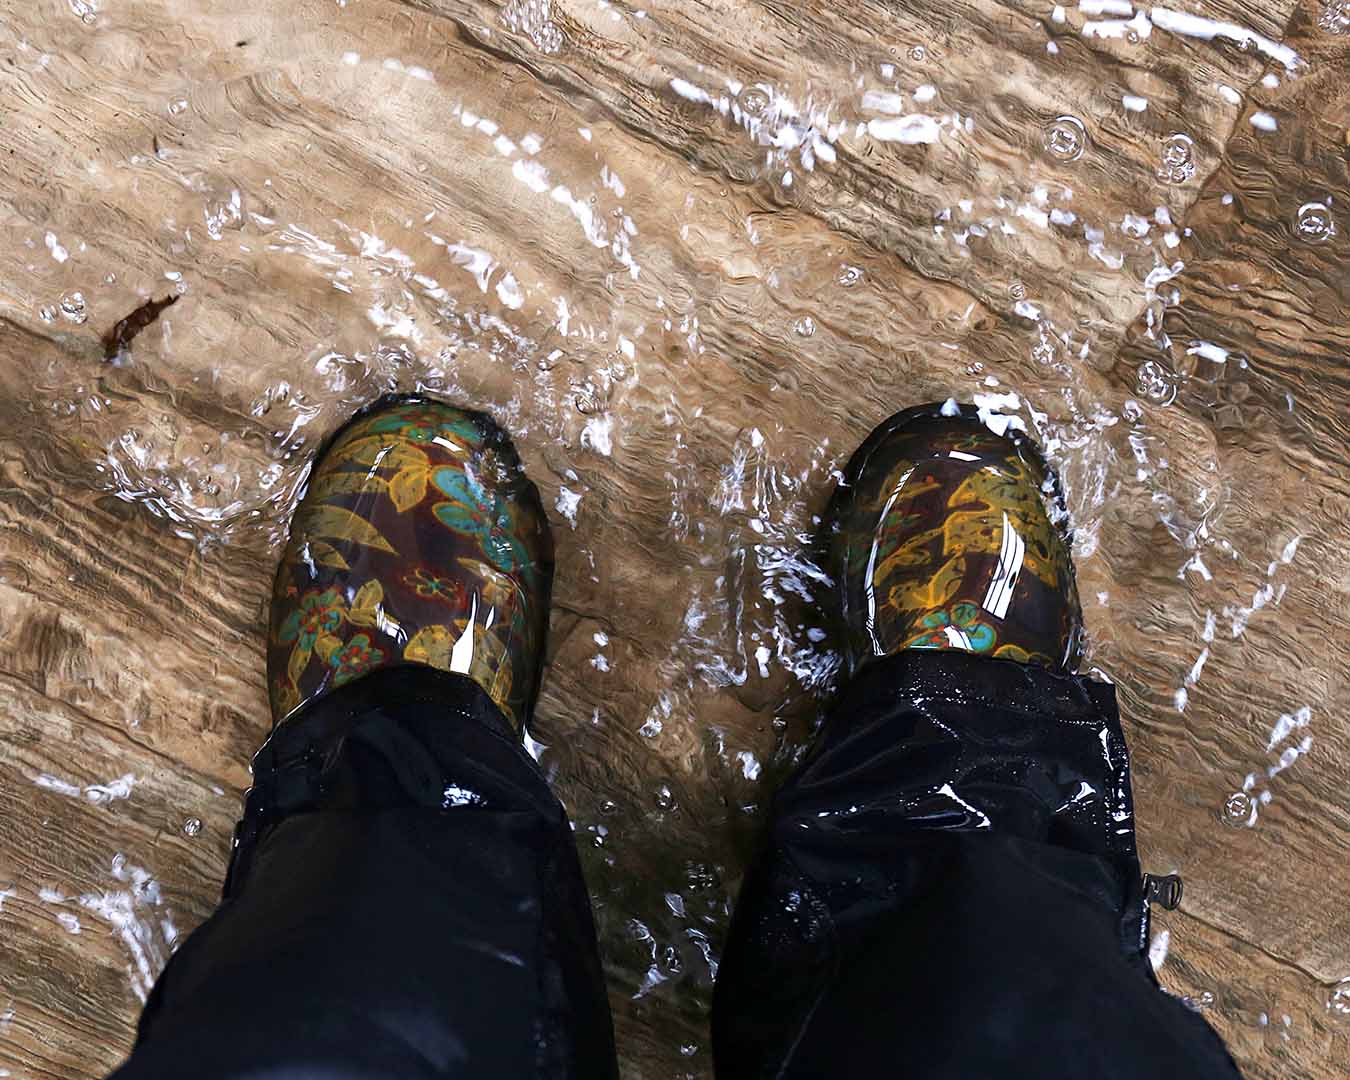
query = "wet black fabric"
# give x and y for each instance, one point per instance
(404, 900)
(948, 888)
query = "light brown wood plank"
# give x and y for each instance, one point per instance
(366, 146)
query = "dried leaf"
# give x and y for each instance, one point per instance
(409, 487)
(335, 523)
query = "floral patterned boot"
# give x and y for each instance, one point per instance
(419, 541)
(944, 535)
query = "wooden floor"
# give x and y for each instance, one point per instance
(687, 297)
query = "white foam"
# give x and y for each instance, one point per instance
(567, 504)
(1180, 22)
(916, 128)
(94, 793)
(597, 435)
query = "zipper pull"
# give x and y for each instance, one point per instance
(1163, 890)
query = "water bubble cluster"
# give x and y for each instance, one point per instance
(1155, 383)
(534, 19)
(1314, 224)
(1065, 138)
(1178, 158)
(73, 307)
(754, 101)
(222, 211)
(1335, 17)
(1237, 808)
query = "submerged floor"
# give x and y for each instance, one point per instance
(688, 254)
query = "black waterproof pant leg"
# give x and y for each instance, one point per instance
(404, 900)
(949, 888)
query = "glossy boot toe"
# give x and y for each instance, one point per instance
(419, 540)
(945, 535)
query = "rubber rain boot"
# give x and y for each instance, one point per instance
(419, 540)
(945, 535)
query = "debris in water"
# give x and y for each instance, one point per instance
(117, 341)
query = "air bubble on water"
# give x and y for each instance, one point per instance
(1065, 138)
(754, 101)
(1155, 383)
(1335, 17)
(849, 276)
(1314, 224)
(805, 326)
(1238, 809)
(1134, 226)
(586, 403)
(534, 19)
(47, 313)
(1017, 291)
(918, 53)
(1178, 158)
(73, 307)
(192, 826)
(224, 211)
(176, 107)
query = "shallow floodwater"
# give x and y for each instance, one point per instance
(688, 255)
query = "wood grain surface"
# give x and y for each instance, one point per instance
(689, 253)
